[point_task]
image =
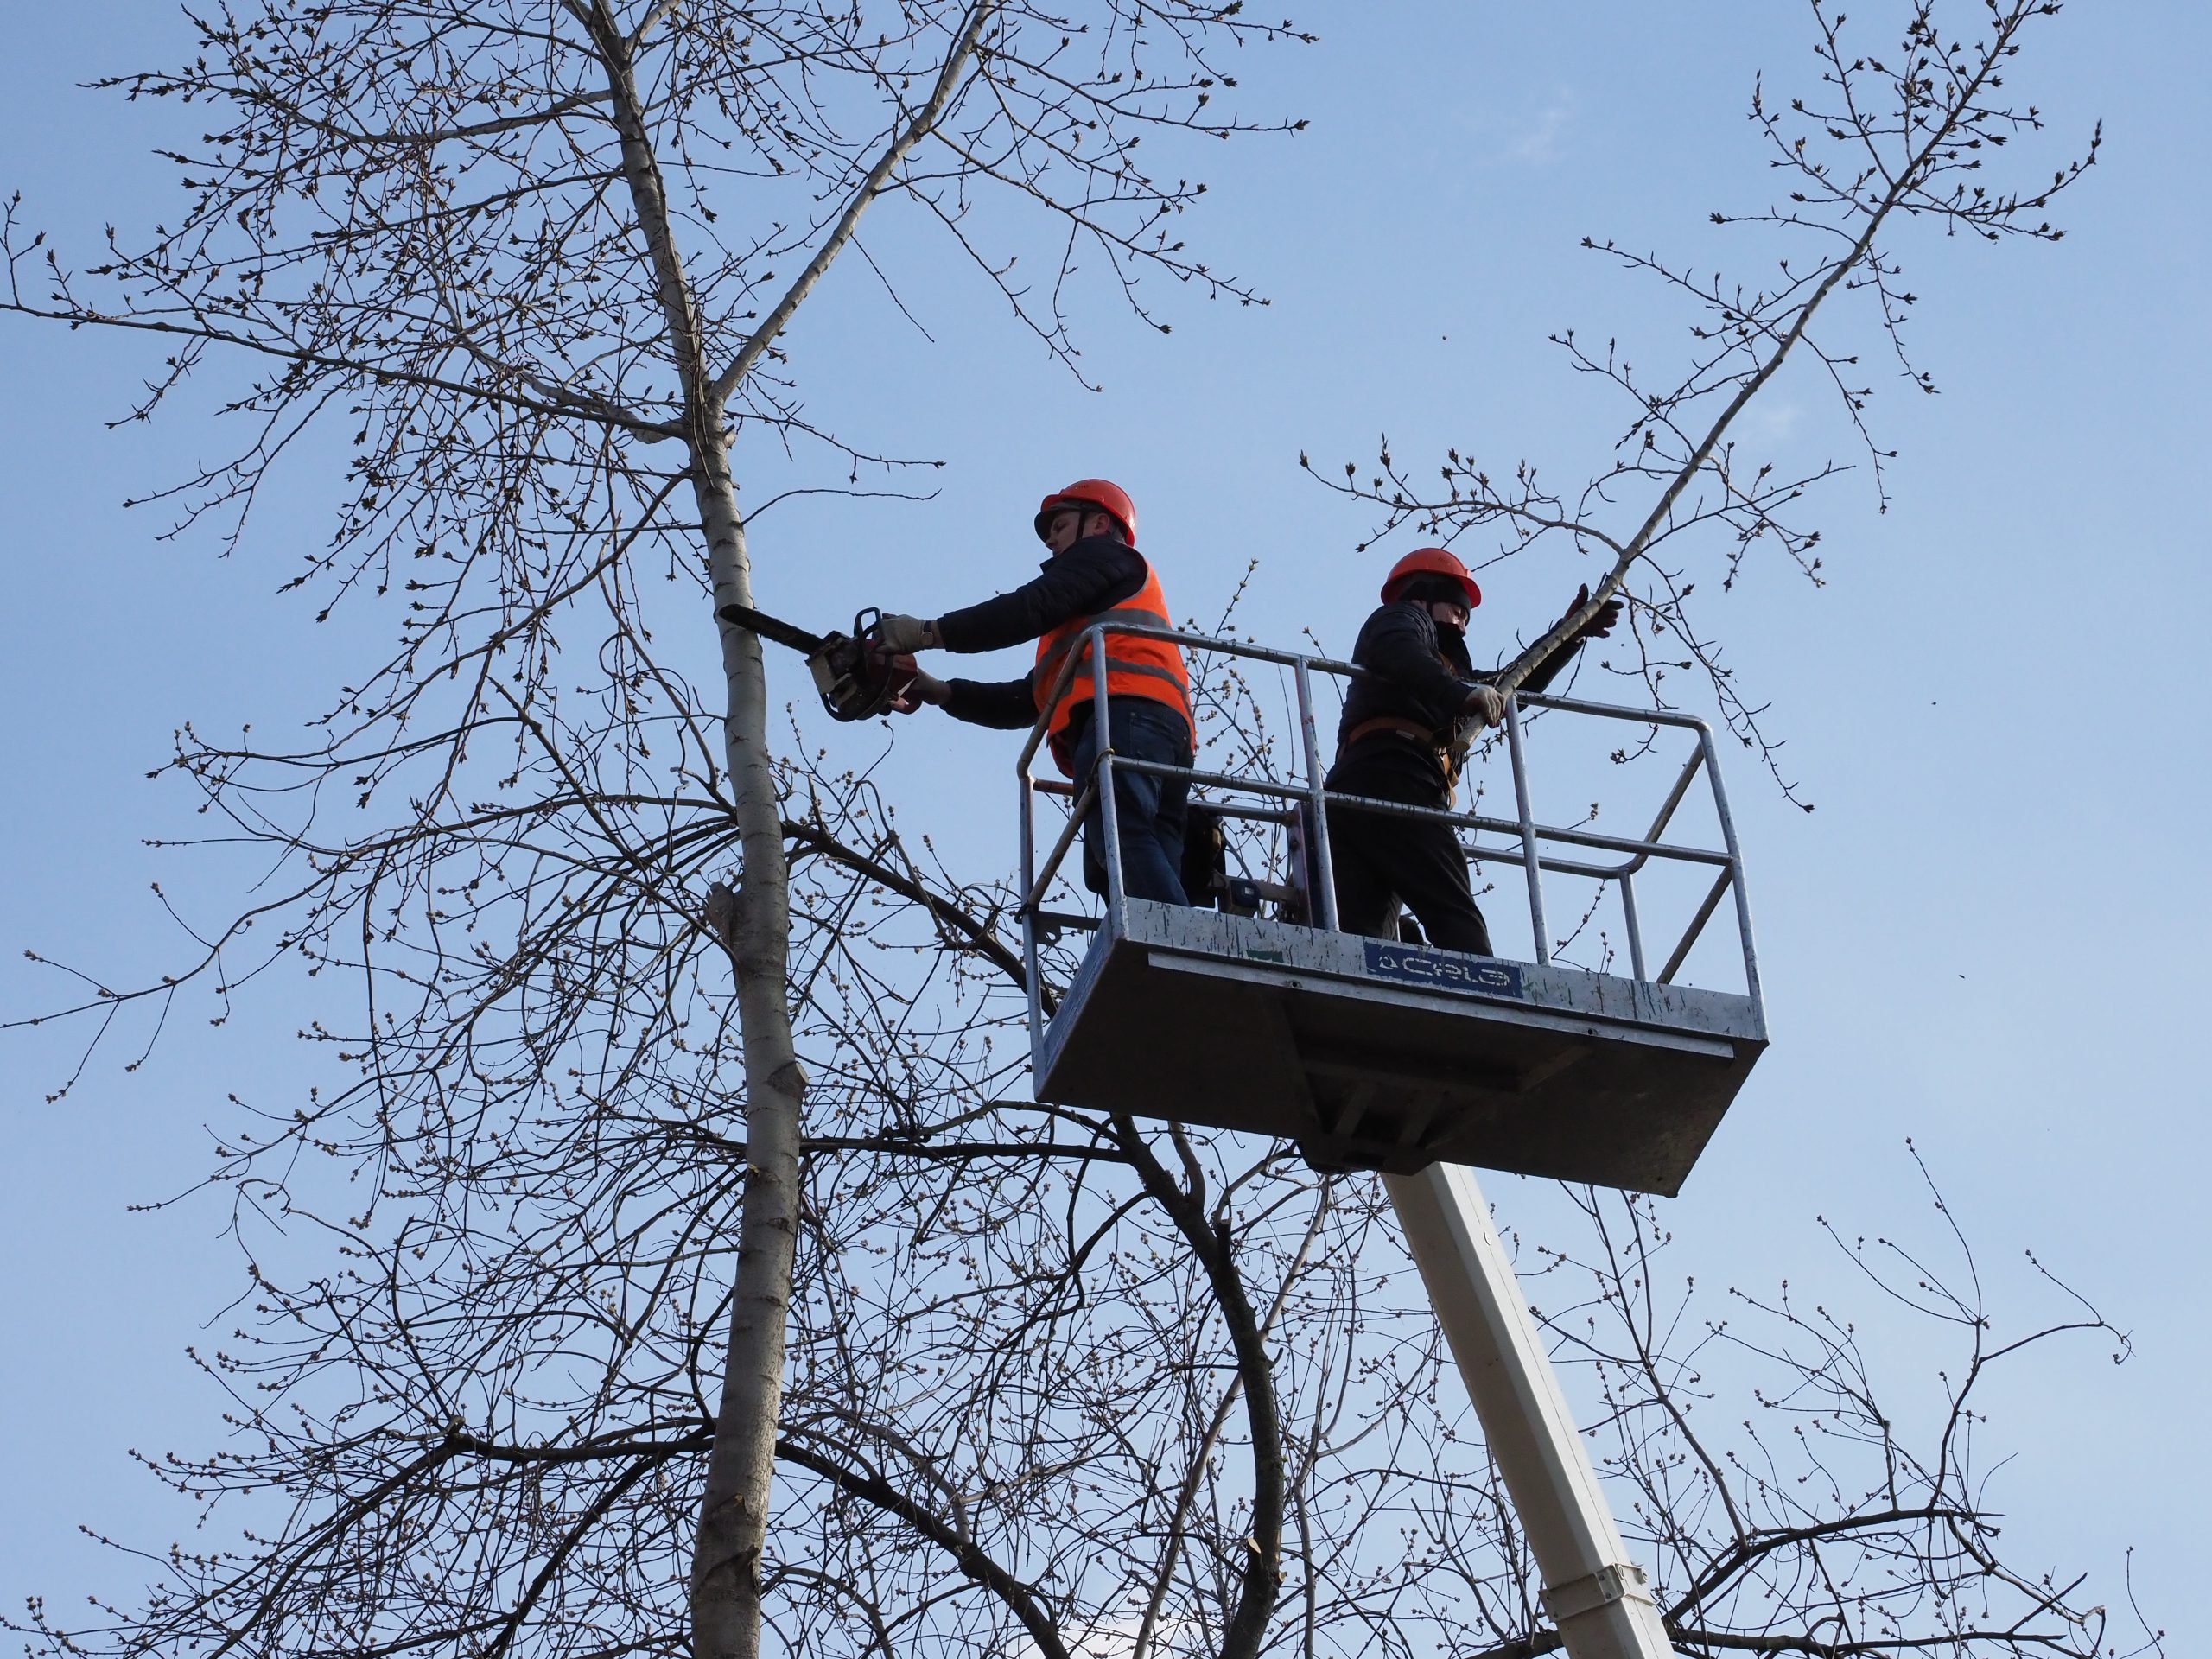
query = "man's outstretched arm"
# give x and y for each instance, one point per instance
(1008, 705)
(1599, 627)
(1090, 576)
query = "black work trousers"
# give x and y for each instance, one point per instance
(1149, 810)
(1383, 861)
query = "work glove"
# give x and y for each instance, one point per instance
(899, 634)
(1483, 706)
(924, 688)
(1600, 626)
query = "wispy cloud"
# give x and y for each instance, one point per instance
(1537, 139)
(1771, 422)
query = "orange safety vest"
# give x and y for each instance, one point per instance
(1135, 667)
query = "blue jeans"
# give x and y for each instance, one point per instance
(1148, 810)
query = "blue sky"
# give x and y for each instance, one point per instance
(1988, 939)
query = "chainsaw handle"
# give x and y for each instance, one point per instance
(857, 676)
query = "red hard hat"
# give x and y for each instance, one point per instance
(1430, 562)
(1092, 492)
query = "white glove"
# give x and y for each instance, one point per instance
(1484, 705)
(906, 633)
(924, 688)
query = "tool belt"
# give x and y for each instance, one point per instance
(1450, 749)
(1409, 728)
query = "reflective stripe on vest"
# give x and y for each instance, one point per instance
(1152, 669)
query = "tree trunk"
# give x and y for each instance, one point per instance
(733, 1507)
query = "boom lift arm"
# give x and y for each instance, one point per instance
(1598, 1598)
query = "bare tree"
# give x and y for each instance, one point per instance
(492, 236)
(595, 1244)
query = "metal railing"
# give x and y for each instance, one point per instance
(1308, 802)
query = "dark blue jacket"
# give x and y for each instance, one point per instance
(1419, 674)
(1094, 574)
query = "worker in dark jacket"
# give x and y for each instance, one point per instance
(1094, 572)
(1407, 726)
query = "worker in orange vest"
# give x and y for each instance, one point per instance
(1095, 574)
(1407, 726)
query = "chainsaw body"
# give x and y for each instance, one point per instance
(857, 677)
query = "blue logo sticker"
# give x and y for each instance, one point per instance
(1443, 973)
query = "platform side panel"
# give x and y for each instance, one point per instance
(1191, 1049)
(1211, 935)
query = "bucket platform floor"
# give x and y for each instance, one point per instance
(1373, 1054)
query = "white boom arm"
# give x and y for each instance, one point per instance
(1599, 1600)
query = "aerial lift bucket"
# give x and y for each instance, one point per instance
(1377, 1054)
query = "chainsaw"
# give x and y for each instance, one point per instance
(858, 677)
